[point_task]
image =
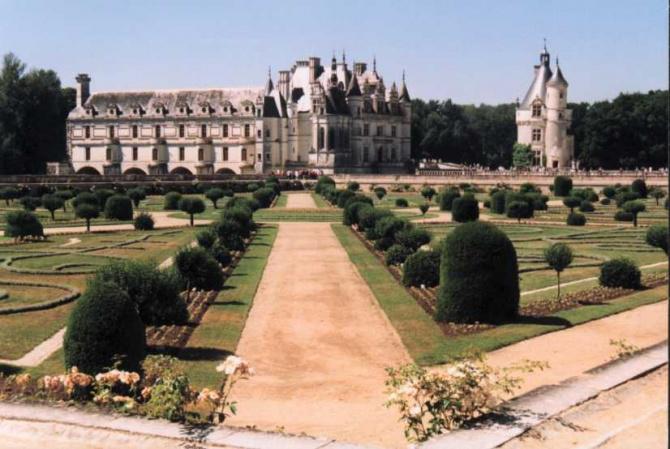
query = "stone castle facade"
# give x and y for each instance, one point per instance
(543, 117)
(326, 118)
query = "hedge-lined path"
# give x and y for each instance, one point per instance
(575, 350)
(579, 281)
(162, 219)
(319, 343)
(300, 201)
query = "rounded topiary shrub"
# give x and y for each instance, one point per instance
(413, 238)
(447, 198)
(621, 215)
(103, 195)
(621, 273)
(230, 233)
(249, 203)
(640, 187)
(136, 195)
(104, 328)
(85, 198)
(586, 206)
(206, 238)
(397, 254)
(144, 222)
(368, 218)
(343, 196)
(519, 210)
(221, 254)
(264, 196)
(605, 201)
(576, 219)
(562, 185)
(422, 268)
(657, 236)
(119, 207)
(609, 192)
(21, 224)
(479, 276)
(242, 215)
(350, 213)
(464, 209)
(198, 269)
(498, 202)
(401, 202)
(171, 201)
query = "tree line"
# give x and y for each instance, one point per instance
(627, 132)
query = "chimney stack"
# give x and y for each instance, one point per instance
(83, 88)
(284, 83)
(314, 64)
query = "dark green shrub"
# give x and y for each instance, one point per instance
(576, 219)
(191, 205)
(447, 198)
(214, 195)
(323, 182)
(640, 187)
(422, 268)
(396, 254)
(657, 236)
(625, 196)
(401, 202)
(52, 203)
(350, 213)
(9, 194)
(359, 198)
(519, 210)
(171, 201)
(586, 206)
(609, 192)
(571, 202)
(364, 210)
(230, 233)
(634, 208)
(119, 207)
(154, 291)
(20, 224)
(487, 204)
(498, 202)
(85, 198)
(388, 226)
(264, 196)
(621, 215)
(102, 195)
(30, 203)
(144, 222)
(104, 328)
(243, 216)
(343, 196)
(383, 243)
(622, 273)
(529, 187)
(479, 276)
(221, 254)
(562, 185)
(428, 192)
(413, 238)
(353, 186)
(605, 201)
(368, 218)
(252, 187)
(249, 203)
(423, 208)
(464, 209)
(558, 257)
(136, 195)
(198, 269)
(380, 192)
(657, 194)
(87, 212)
(206, 238)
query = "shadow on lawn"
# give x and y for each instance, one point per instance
(191, 354)
(8, 370)
(541, 320)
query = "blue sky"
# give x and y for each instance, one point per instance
(472, 51)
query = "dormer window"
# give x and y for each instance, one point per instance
(537, 110)
(135, 111)
(204, 110)
(181, 110)
(158, 110)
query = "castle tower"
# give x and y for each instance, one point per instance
(558, 151)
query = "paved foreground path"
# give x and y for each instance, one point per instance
(300, 201)
(319, 343)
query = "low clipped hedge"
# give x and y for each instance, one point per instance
(479, 275)
(104, 328)
(422, 268)
(620, 273)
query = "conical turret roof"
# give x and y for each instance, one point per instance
(404, 94)
(353, 90)
(557, 79)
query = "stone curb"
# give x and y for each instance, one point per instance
(62, 419)
(534, 407)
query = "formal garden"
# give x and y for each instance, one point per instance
(134, 299)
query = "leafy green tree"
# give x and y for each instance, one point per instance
(380, 192)
(634, 207)
(9, 194)
(559, 257)
(519, 210)
(65, 195)
(21, 224)
(571, 202)
(52, 203)
(424, 208)
(522, 155)
(191, 206)
(657, 194)
(428, 193)
(214, 195)
(136, 195)
(87, 212)
(657, 236)
(30, 203)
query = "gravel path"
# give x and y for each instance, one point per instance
(319, 343)
(300, 201)
(40, 352)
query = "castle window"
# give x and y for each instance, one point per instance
(267, 133)
(244, 154)
(537, 135)
(201, 154)
(321, 111)
(393, 154)
(366, 129)
(134, 131)
(87, 153)
(560, 95)
(358, 111)
(182, 131)
(393, 131)
(366, 156)
(158, 131)
(108, 154)
(321, 137)
(111, 132)
(225, 130)
(158, 111)
(537, 110)
(260, 157)
(203, 130)
(331, 138)
(247, 130)
(204, 110)
(154, 154)
(268, 157)
(134, 153)
(380, 154)
(259, 133)
(225, 153)
(246, 109)
(87, 132)
(380, 130)
(182, 150)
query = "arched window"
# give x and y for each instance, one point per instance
(154, 154)
(244, 154)
(109, 154)
(321, 139)
(225, 153)
(158, 130)
(201, 154)
(203, 130)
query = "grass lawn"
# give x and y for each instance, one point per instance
(281, 200)
(320, 201)
(425, 341)
(309, 215)
(221, 327)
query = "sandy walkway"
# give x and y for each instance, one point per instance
(319, 343)
(575, 350)
(300, 201)
(40, 352)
